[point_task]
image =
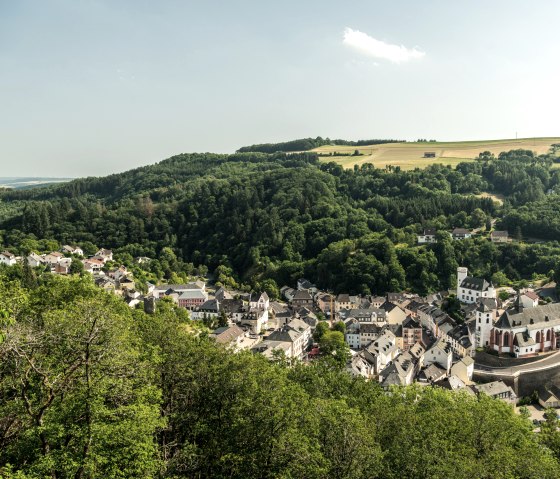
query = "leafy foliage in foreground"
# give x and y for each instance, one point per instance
(91, 389)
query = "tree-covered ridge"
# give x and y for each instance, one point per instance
(92, 389)
(277, 217)
(306, 144)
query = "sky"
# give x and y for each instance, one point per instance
(92, 87)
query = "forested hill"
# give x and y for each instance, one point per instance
(306, 144)
(267, 219)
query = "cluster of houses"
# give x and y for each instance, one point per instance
(118, 279)
(252, 321)
(401, 338)
(396, 339)
(428, 236)
(60, 261)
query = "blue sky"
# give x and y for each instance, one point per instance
(94, 87)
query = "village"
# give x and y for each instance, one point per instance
(396, 339)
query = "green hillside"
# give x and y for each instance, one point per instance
(268, 219)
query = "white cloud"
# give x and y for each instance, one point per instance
(372, 47)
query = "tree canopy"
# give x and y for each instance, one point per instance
(90, 388)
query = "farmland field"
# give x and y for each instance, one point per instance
(410, 155)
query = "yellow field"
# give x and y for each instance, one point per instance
(410, 155)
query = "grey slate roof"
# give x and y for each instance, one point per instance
(531, 318)
(210, 306)
(410, 323)
(227, 334)
(232, 305)
(494, 388)
(191, 294)
(302, 296)
(477, 284)
(524, 340)
(433, 372)
(366, 313)
(460, 333)
(486, 305)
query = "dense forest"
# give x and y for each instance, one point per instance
(306, 144)
(264, 220)
(92, 389)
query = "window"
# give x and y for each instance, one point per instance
(487, 320)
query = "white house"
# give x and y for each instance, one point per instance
(440, 353)
(298, 341)
(471, 289)
(301, 327)
(72, 250)
(382, 350)
(529, 299)
(360, 366)
(461, 234)
(53, 258)
(359, 335)
(104, 255)
(464, 369)
(166, 289)
(262, 302)
(352, 334)
(499, 237)
(34, 260)
(93, 265)
(7, 258)
(256, 319)
(427, 236)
